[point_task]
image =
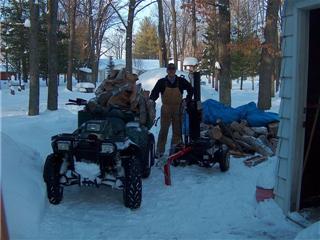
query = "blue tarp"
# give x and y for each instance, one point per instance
(214, 110)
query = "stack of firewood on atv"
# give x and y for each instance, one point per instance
(243, 140)
(121, 91)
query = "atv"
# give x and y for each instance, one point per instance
(110, 148)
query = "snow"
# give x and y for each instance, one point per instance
(190, 61)
(201, 204)
(138, 64)
(310, 233)
(86, 170)
(22, 186)
(85, 69)
(83, 86)
(267, 178)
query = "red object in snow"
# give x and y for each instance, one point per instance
(166, 168)
(263, 194)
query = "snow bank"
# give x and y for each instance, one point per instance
(310, 233)
(269, 212)
(22, 187)
(268, 177)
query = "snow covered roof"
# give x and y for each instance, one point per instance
(190, 61)
(139, 64)
(85, 69)
(3, 68)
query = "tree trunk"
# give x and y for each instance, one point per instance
(72, 25)
(241, 83)
(24, 70)
(174, 32)
(225, 81)
(194, 29)
(268, 55)
(215, 81)
(162, 37)
(252, 81)
(34, 60)
(52, 55)
(129, 29)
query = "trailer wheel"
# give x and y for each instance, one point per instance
(51, 176)
(132, 190)
(224, 159)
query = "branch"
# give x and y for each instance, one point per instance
(145, 6)
(119, 15)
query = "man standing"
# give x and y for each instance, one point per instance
(171, 88)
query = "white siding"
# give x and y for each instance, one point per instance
(286, 91)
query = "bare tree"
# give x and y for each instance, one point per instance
(268, 55)
(34, 60)
(72, 25)
(162, 37)
(134, 7)
(194, 28)
(183, 22)
(174, 31)
(224, 52)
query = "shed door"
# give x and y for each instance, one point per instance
(310, 189)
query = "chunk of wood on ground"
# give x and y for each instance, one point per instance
(255, 160)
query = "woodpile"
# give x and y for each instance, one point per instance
(244, 140)
(120, 90)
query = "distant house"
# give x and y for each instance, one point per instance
(4, 74)
(298, 171)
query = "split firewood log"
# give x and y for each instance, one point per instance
(224, 128)
(260, 130)
(257, 145)
(273, 129)
(242, 128)
(265, 141)
(215, 133)
(245, 146)
(255, 160)
(226, 131)
(274, 144)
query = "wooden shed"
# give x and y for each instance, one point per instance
(298, 171)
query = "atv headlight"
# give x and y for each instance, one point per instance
(63, 145)
(93, 127)
(107, 148)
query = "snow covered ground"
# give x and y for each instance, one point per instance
(201, 203)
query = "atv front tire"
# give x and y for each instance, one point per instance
(51, 176)
(132, 189)
(224, 159)
(148, 157)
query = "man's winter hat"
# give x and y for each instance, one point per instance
(171, 66)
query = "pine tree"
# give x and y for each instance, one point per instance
(15, 36)
(146, 43)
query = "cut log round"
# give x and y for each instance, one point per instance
(215, 133)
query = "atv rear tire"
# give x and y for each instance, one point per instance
(148, 157)
(51, 176)
(132, 189)
(224, 159)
